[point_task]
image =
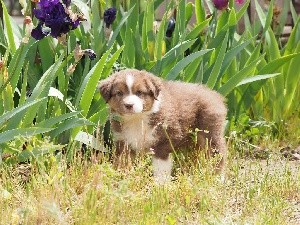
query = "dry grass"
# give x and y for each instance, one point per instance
(255, 192)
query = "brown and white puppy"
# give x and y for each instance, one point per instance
(150, 114)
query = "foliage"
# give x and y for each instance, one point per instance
(48, 87)
(49, 105)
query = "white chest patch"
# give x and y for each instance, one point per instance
(136, 132)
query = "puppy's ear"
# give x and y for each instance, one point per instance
(154, 84)
(105, 87)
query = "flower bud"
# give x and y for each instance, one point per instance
(109, 16)
(239, 1)
(170, 28)
(220, 4)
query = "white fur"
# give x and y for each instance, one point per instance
(156, 104)
(129, 82)
(136, 131)
(135, 101)
(162, 170)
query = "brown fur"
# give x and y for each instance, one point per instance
(184, 107)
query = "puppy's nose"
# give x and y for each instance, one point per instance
(128, 106)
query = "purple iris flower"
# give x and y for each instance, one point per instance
(54, 15)
(221, 4)
(109, 16)
(39, 33)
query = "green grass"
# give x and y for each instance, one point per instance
(92, 192)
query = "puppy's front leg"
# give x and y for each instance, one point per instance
(162, 163)
(123, 156)
(162, 169)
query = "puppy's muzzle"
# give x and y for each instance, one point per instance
(128, 106)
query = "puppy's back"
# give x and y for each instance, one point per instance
(194, 97)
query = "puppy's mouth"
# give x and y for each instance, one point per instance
(132, 104)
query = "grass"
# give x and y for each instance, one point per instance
(255, 191)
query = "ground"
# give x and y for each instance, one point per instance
(255, 191)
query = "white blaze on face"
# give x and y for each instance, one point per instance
(131, 99)
(129, 82)
(156, 104)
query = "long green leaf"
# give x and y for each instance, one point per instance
(109, 64)
(222, 23)
(212, 79)
(10, 115)
(276, 87)
(144, 29)
(128, 58)
(242, 11)
(276, 64)
(249, 91)
(189, 8)
(215, 42)
(46, 53)
(238, 77)
(180, 23)
(184, 62)
(89, 84)
(118, 28)
(54, 120)
(16, 65)
(274, 51)
(172, 54)
(159, 43)
(232, 53)
(8, 28)
(41, 90)
(195, 32)
(292, 83)
(191, 70)
(265, 20)
(24, 132)
(177, 50)
(257, 78)
(97, 27)
(7, 96)
(3, 41)
(293, 39)
(69, 124)
(293, 12)
(148, 40)
(200, 11)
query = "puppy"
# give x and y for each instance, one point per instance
(153, 115)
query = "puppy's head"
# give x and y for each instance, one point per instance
(131, 91)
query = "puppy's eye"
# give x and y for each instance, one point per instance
(119, 93)
(139, 93)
